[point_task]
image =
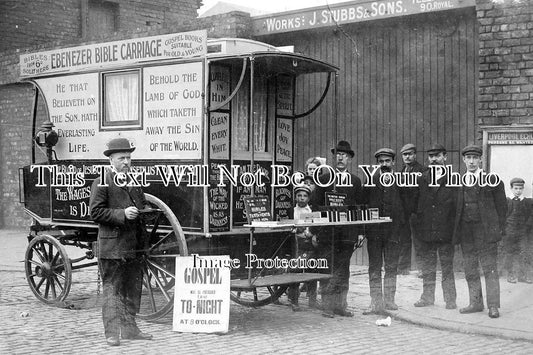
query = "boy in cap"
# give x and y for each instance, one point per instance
(516, 244)
(120, 235)
(479, 222)
(383, 239)
(305, 243)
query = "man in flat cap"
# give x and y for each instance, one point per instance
(383, 239)
(517, 246)
(409, 197)
(434, 221)
(335, 291)
(120, 238)
(479, 222)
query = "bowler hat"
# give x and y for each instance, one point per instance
(343, 146)
(304, 188)
(436, 148)
(119, 144)
(408, 147)
(385, 151)
(472, 149)
(517, 181)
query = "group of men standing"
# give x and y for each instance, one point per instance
(438, 217)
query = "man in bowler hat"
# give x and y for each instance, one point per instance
(409, 196)
(121, 236)
(335, 291)
(479, 222)
(383, 239)
(434, 221)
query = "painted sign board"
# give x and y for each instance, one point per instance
(257, 208)
(349, 12)
(119, 53)
(202, 297)
(171, 121)
(522, 137)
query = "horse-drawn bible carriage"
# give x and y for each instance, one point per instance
(190, 106)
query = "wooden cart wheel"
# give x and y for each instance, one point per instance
(258, 296)
(166, 241)
(48, 269)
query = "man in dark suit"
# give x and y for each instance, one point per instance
(383, 239)
(120, 238)
(434, 223)
(409, 196)
(479, 222)
(335, 291)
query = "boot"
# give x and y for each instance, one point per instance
(389, 293)
(327, 306)
(311, 294)
(376, 307)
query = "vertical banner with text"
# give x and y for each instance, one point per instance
(202, 297)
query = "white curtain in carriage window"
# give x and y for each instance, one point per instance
(241, 119)
(122, 97)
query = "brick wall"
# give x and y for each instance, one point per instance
(29, 22)
(15, 149)
(16, 98)
(506, 61)
(25, 23)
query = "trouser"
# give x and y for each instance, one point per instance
(303, 248)
(404, 257)
(429, 252)
(294, 292)
(517, 247)
(122, 284)
(382, 250)
(334, 291)
(475, 252)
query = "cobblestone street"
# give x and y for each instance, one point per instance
(273, 328)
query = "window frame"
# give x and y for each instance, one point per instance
(127, 124)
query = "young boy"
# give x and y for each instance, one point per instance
(516, 243)
(305, 243)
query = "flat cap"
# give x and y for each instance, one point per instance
(436, 148)
(303, 188)
(119, 144)
(385, 151)
(472, 149)
(517, 181)
(408, 147)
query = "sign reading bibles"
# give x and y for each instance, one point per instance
(257, 208)
(202, 294)
(335, 199)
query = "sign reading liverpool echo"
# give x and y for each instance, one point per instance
(202, 297)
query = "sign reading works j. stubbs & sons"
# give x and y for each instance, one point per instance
(349, 12)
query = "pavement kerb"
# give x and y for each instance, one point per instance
(438, 323)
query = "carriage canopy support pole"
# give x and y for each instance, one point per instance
(251, 132)
(35, 102)
(336, 137)
(237, 87)
(312, 109)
